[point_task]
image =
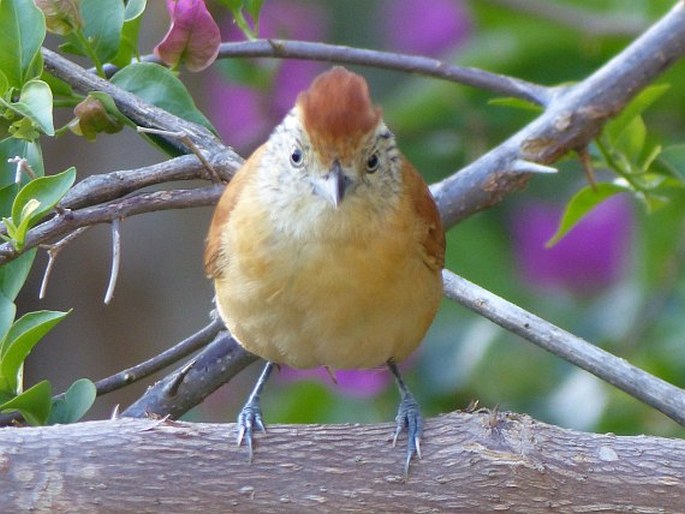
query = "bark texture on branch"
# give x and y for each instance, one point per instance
(478, 462)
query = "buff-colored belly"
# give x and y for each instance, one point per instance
(342, 305)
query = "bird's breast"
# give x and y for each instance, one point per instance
(343, 296)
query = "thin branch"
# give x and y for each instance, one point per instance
(23, 166)
(655, 392)
(116, 259)
(141, 113)
(146, 368)
(179, 351)
(587, 21)
(186, 140)
(425, 66)
(53, 252)
(141, 203)
(224, 358)
(96, 189)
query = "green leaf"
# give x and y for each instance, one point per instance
(21, 338)
(13, 274)
(637, 105)
(7, 196)
(631, 139)
(34, 403)
(48, 191)
(76, 402)
(672, 160)
(517, 103)
(4, 83)
(581, 204)
(59, 88)
(22, 26)
(128, 48)
(35, 103)
(7, 312)
(159, 86)
(254, 7)
(103, 22)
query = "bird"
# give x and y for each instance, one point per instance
(326, 248)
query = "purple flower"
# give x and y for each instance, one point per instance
(591, 256)
(359, 383)
(193, 36)
(427, 27)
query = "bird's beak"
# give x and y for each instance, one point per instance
(333, 185)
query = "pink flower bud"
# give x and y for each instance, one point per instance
(193, 37)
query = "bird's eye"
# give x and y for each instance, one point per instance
(296, 157)
(372, 163)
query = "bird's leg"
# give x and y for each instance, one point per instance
(250, 416)
(408, 418)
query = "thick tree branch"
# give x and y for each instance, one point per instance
(479, 462)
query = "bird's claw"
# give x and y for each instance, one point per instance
(250, 417)
(409, 418)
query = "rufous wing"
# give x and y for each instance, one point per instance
(433, 236)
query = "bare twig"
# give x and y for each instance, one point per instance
(53, 251)
(586, 163)
(179, 351)
(426, 66)
(140, 371)
(185, 139)
(655, 392)
(23, 166)
(116, 259)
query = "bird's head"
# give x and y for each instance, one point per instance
(335, 144)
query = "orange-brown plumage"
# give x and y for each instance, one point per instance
(337, 108)
(326, 247)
